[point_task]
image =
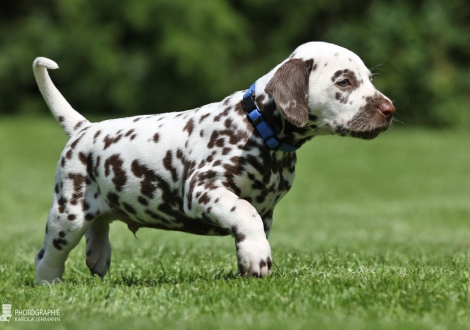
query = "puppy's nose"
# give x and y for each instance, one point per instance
(386, 108)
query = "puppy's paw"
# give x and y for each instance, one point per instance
(98, 256)
(254, 257)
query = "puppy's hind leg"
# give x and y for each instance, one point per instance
(62, 235)
(67, 222)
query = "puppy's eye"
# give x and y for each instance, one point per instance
(343, 83)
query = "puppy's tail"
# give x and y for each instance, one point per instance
(68, 118)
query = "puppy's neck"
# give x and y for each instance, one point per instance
(285, 131)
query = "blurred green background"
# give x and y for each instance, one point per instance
(122, 58)
(386, 249)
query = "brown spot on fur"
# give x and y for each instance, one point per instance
(97, 166)
(59, 243)
(239, 237)
(220, 142)
(113, 199)
(79, 124)
(109, 140)
(212, 139)
(168, 164)
(116, 164)
(342, 97)
(355, 83)
(150, 179)
(222, 114)
(62, 202)
(189, 126)
(153, 215)
(204, 117)
(180, 154)
(78, 185)
(129, 208)
(336, 75)
(83, 158)
(204, 199)
(143, 201)
(76, 141)
(96, 135)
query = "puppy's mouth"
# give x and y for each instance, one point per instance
(366, 134)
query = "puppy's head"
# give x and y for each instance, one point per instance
(329, 89)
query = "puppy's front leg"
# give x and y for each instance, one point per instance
(246, 225)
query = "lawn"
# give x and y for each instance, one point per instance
(373, 235)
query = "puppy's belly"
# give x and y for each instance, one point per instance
(158, 211)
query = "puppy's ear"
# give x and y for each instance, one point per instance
(289, 88)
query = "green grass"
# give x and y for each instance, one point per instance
(374, 235)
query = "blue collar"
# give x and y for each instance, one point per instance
(261, 125)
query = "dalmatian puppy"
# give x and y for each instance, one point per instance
(216, 170)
